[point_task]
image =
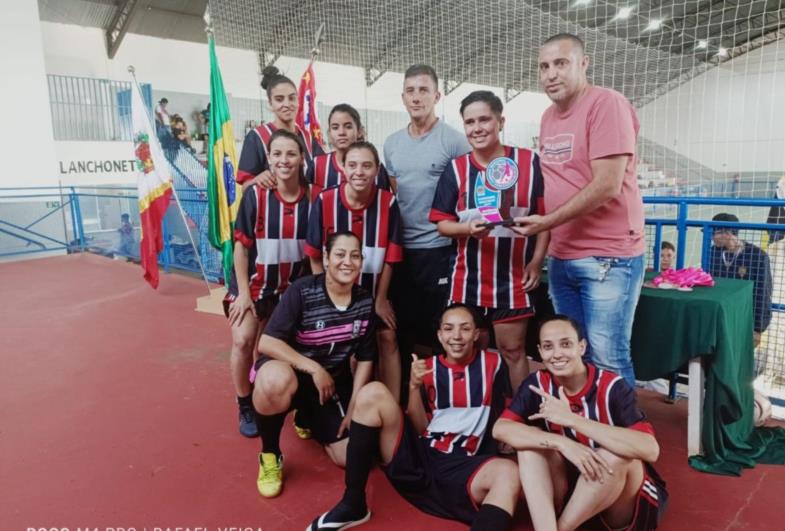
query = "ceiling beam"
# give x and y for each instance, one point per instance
(119, 26)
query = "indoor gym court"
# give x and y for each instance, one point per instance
(116, 411)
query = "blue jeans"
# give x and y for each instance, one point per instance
(601, 294)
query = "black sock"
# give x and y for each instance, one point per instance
(269, 427)
(491, 518)
(300, 419)
(245, 402)
(360, 453)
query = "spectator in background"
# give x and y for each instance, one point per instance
(162, 118)
(732, 257)
(202, 122)
(777, 213)
(250, 125)
(667, 256)
(126, 231)
(180, 131)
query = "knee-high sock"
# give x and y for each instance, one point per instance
(360, 453)
(269, 428)
(491, 518)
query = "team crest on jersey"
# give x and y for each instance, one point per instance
(356, 325)
(502, 173)
(742, 271)
(320, 325)
(557, 149)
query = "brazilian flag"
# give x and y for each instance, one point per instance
(223, 193)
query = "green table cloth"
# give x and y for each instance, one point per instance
(670, 328)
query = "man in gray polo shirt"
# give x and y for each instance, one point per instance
(415, 158)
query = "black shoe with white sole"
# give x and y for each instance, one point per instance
(340, 517)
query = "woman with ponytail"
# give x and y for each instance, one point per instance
(282, 98)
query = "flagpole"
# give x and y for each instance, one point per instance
(132, 71)
(317, 41)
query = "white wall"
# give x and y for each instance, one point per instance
(28, 151)
(166, 64)
(730, 118)
(99, 163)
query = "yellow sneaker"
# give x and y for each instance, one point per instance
(270, 480)
(302, 433)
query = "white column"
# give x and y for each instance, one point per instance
(27, 147)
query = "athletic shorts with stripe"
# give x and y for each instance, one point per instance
(322, 419)
(435, 482)
(649, 504)
(490, 316)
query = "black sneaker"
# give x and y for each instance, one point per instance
(339, 517)
(248, 423)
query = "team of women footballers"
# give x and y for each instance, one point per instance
(317, 239)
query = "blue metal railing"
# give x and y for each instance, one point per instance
(20, 237)
(682, 221)
(26, 232)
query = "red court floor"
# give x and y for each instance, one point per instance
(116, 411)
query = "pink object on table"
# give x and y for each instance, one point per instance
(684, 278)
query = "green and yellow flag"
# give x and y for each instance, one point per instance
(223, 193)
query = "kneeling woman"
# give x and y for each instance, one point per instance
(584, 448)
(320, 322)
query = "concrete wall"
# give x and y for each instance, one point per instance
(730, 118)
(28, 150)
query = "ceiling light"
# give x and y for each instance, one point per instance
(702, 45)
(654, 25)
(624, 12)
(581, 3)
(722, 52)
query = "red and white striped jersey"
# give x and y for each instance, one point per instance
(254, 157)
(464, 401)
(325, 173)
(605, 398)
(274, 231)
(489, 272)
(378, 225)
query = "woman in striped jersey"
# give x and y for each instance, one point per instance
(494, 268)
(585, 449)
(254, 162)
(269, 254)
(327, 170)
(372, 214)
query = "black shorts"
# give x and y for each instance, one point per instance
(434, 482)
(264, 307)
(323, 420)
(490, 316)
(650, 503)
(379, 322)
(419, 290)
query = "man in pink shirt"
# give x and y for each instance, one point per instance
(592, 202)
